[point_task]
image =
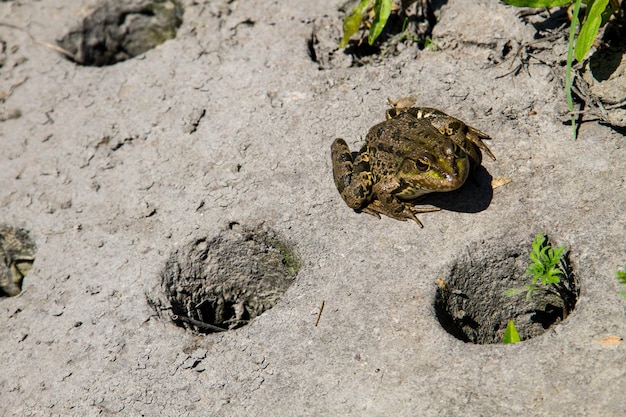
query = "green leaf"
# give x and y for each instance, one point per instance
(556, 254)
(555, 270)
(590, 28)
(382, 10)
(510, 334)
(537, 3)
(552, 277)
(352, 22)
(538, 242)
(535, 256)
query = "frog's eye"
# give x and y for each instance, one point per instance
(422, 164)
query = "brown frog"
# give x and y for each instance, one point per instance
(416, 151)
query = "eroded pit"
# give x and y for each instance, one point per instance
(118, 30)
(224, 282)
(471, 304)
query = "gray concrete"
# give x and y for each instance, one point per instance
(113, 168)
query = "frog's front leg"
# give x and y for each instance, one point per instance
(388, 204)
(353, 178)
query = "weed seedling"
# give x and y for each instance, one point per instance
(544, 270)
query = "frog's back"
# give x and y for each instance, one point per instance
(391, 142)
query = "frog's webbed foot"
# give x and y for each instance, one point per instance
(398, 210)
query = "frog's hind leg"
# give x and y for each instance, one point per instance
(353, 178)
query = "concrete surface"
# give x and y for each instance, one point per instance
(111, 169)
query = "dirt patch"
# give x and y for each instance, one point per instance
(119, 30)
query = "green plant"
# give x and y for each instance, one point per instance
(352, 22)
(621, 277)
(510, 334)
(544, 269)
(597, 13)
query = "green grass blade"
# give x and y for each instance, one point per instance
(382, 10)
(568, 68)
(590, 28)
(510, 334)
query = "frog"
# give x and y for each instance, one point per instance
(17, 254)
(414, 152)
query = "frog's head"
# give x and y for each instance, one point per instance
(437, 167)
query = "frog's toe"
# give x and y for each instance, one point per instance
(369, 211)
(476, 136)
(413, 217)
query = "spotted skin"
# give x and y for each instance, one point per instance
(416, 151)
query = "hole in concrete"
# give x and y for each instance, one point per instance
(119, 30)
(471, 305)
(225, 282)
(17, 254)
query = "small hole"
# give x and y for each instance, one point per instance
(119, 30)
(225, 282)
(471, 305)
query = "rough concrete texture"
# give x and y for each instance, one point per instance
(111, 169)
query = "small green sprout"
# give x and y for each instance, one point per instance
(621, 277)
(597, 13)
(545, 262)
(544, 268)
(510, 334)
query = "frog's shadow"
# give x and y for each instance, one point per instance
(474, 196)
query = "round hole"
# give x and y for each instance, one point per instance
(471, 303)
(119, 30)
(224, 282)
(17, 254)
